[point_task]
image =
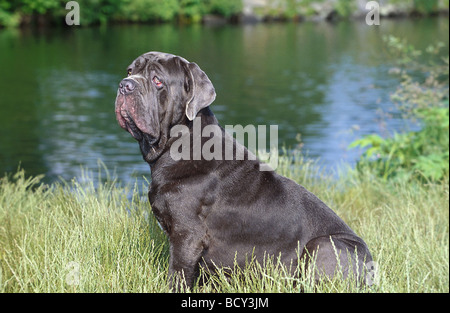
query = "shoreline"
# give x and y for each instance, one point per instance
(243, 18)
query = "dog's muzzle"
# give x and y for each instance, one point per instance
(126, 86)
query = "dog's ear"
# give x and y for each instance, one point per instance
(200, 89)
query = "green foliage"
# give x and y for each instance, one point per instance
(8, 17)
(148, 10)
(291, 9)
(39, 6)
(103, 11)
(306, 7)
(224, 8)
(426, 6)
(345, 8)
(13, 13)
(423, 153)
(98, 11)
(192, 10)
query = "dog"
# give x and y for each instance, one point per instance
(219, 212)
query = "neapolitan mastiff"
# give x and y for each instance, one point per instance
(217, 211)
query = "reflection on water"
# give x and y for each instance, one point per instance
(325, 81)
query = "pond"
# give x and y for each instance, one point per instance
(327, 82)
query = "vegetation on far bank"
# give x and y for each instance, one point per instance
(28, 12)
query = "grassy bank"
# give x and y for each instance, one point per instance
(77, 237)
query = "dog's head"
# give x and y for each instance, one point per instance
(160, 91)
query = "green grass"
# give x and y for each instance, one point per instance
(83, 237)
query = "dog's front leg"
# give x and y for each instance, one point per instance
(185, 252)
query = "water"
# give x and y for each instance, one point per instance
(325, 81)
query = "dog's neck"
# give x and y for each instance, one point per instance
(152, 153)
(207, 118)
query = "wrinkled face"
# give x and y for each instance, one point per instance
(159, 91)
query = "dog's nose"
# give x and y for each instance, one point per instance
(126, 86)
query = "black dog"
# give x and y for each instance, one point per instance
(216, 211)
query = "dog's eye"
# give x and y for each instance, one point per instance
(129, 72)
(157, 82)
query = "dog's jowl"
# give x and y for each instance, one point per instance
(219, 211)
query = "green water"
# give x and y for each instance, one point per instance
(325, 81)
